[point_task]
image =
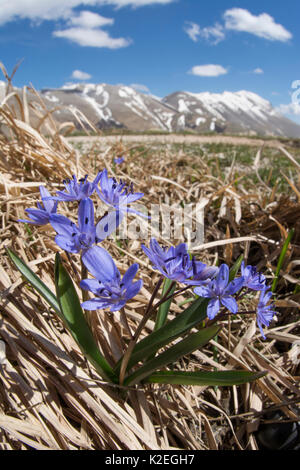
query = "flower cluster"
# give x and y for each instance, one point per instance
(110, 289)
(212, 282)
(173, 262)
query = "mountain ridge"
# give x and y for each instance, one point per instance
(119, 106)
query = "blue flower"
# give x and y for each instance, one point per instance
(77, 191)
(265, 313)
(75, 239)
(41, 215)
(72, 238)
(252, 279)
(117, 195)
(220, 291)
(119, 160)
(173, 262)
(110, 289)
(202, 274)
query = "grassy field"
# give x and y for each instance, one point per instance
(51, 396)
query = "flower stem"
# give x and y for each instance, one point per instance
(132, 343)
(84, 275)
(124, 318)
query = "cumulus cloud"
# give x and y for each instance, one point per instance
(258, 71)
(79, 75)
(263, 25)
(92, 38)
(88, 19)
(239, 19)
(209, 70)
(213, 34)
(40, 10)
(86, 30)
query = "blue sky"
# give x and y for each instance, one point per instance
(160, 46)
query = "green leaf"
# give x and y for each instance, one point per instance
(186, 320)
(183, 347)
(74, 319)
(235, 268)
(219, 378)
(281, 258)
(36, 283)
(165, 307)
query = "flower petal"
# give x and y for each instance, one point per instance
(235, 285)
(90, 284)
(229, 303)
(134, 289)
(63, 225)
(100, 264)
(94, 304)
(67, 244)
(203, 291)
(86, 215)
(222, 278)
(130, 274)
(213, 308)
(38, 216)
(48, 202)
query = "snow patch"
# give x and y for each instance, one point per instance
(102, 111)
(200, 120)
(51, 98)
(212, 126)
(182, 106)
(181, 121)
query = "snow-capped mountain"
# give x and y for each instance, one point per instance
(119, 106)
(112, 106)
(239, 112)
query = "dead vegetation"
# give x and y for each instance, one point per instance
(51, 397)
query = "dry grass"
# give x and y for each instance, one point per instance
(51, 398)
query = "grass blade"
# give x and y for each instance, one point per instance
(218, 378)
(235, 268)
(165, 307)
(182, 348)
(35, 282)
(281, 259)
(76, 322)
(186, 320)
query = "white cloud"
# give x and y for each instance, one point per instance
(79, 75)
(258, 71)
(86, 30)
(40, 10)
(140, 87)
(87, 19)
(210, 70)
(263, 25)
(213, 34)
(92, 38)
(192, 30)
(134, 3)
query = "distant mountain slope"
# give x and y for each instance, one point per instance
(240, 112)
(113, 106)
(119, 106)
